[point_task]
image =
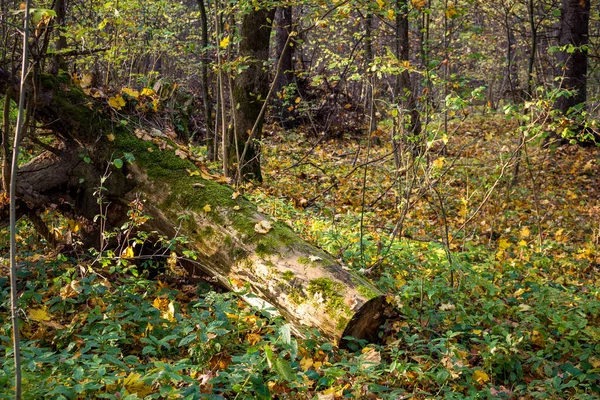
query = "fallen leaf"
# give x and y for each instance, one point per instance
(53, 324)
(134, 384)
(207, 208)
(148, 92)
(117, 102)
(39, 314)
(130, 92)
(86, 80)
(306, 363)
(263, 226)
(480, 377)
(181, 154)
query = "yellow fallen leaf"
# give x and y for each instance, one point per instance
(86, 80)
(235, 195)
(110, 137)
(253, 338)
(133, 383)
(39, 314)
(148, 92)
(306, 363)
(595, 362)
(117, 102)
(480, 377)
(237, 208)
(130, 92)
(439, 162)
(207, 208)
(525, 232)
(193, 173)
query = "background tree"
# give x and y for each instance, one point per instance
(250, 89)
(573, 53)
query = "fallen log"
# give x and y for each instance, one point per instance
(234, 243)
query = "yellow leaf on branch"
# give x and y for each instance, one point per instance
(224, 42)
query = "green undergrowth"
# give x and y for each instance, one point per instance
(503, 314)
(504, 330)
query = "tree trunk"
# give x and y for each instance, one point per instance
(574, 26)
(404, 90)
(250, 89)
(58, 61)
(206, 102)
(285, 50)
(233, 242)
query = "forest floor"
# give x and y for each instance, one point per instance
(495, 275)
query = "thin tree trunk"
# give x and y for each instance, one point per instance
(412, 121)
(204, 81)
(370, 100)
(532, 50)
(283, 28)
(58, 61)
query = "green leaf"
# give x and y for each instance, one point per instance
(118, 163)
(78, 373)
(270, 355)
(130, 158)
(284, 369)
(286, 335)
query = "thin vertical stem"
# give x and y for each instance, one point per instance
(13, 216)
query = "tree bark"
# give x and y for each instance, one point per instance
(58, 61)
(206, 102)
(283, 28)
(250, 89)
(404, 87)
(304, 283)
(574, 27)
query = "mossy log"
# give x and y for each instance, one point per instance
(306, 285)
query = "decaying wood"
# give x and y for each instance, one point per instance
(234, 243)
